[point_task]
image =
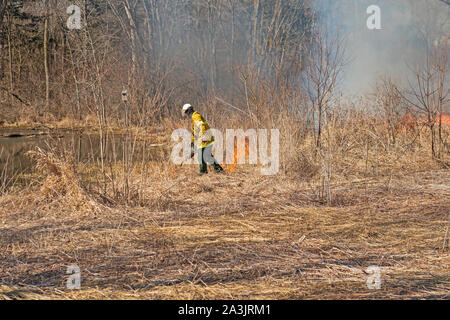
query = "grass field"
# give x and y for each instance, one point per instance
(231, 236)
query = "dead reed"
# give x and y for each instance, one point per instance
(235, 235)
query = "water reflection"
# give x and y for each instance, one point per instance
(84, 147)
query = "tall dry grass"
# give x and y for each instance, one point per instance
(308, 232)
(360, 138)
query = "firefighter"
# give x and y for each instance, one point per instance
(202, 140)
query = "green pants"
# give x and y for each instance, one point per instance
(204, 157)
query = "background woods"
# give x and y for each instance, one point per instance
(165, 52)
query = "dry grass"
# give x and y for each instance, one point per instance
(237, 235)
(231, 236)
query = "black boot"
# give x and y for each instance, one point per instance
(203, 168)
(217, 167)
(201, 161)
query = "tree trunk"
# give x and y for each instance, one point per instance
(47, 77)
(11, 78)
(2, 11)
(132, 72)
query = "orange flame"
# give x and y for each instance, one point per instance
(445, 120)
(408, 123)
(232, 167)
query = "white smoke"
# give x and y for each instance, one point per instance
(408, 27)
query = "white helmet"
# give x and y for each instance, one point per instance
(186, 108)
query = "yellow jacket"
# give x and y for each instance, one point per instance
(199, 128)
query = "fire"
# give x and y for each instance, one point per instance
(445, 120)
(232, 167)
(407, 122)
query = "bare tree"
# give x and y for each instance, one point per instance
(429, 92)
(325, 64)
(187, 49)
(45, 57)
(3, 4)
(391, 105)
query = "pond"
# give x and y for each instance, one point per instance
(84, 147)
